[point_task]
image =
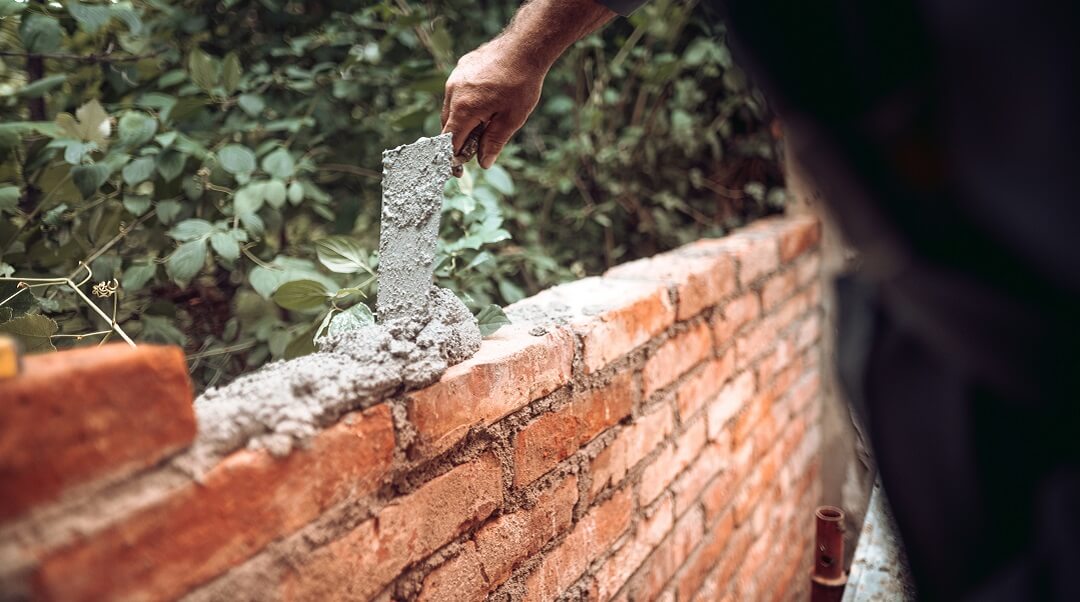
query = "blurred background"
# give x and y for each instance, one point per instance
(222, 161)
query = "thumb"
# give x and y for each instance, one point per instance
(495, 137)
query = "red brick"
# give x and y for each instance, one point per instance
(631, 445)
(663, 470)
(698, 567)
(809, 332)
(650, 532)
(720, 492)
(712, 461)
(719, 580)
(733, 315)
(801, 235)
(745, 421)
(675, 357)
(613, 317)
(759, 480)
(757, 341)
(775, 360)
(757, 255)
(805, 390)
(702, 386)
(735, 395)
(777, 288)
(90, 413)
(808, 269)
(591, 537)
(501, 545)
(699, 281)
(653, 576)
(187, 535)
(746, 586)
(555, 436)
(511, 369)
(361, 563)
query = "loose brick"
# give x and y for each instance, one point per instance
(650, 532)
(590, 538)
(736, 395)
(733, 315)
(799, 236)
(501, 545)
(690, 579)
(699, 281)
(702, 386)
(663, 470)
(613, 317)
(197, 531)
(778, 288)
(631, 445)
(85, 414)
(675, 357)
(511, 369)
(555, 436)
(361, 563)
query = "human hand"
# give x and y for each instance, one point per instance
(495, 85)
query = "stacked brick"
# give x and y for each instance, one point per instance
(650, 434)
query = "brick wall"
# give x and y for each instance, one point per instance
(650, 434)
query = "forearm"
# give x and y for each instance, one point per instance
(542, 30)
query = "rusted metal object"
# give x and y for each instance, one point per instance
(827, 579)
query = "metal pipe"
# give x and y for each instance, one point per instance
(827, 579)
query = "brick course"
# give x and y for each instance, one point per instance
(648, 434)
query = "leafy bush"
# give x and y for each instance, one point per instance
(219, 160)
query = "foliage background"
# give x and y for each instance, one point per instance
(220, 159)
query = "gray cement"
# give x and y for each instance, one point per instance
(422, 329)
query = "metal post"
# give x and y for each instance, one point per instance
(827, 579)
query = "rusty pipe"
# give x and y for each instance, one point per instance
(827, 579)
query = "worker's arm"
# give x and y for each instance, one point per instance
(499, 83)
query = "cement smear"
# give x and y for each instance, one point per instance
(422, 329)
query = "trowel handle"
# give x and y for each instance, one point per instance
(468, 150)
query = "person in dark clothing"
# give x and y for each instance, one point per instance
(944, 137)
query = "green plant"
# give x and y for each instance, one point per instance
(218, 160)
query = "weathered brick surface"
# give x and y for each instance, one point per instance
(199, 530)
(651, 434)
(511, 369)
(89, 413)
(368, 558)
(553, 437)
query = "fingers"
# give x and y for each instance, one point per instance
(460, 124)
(445, 107)
(496, 135)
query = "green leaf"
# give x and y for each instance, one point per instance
(139, 170)
(190, 229)
(490, 319)
(186, 261)
(90, 17)
(499, 179)
(88, 178)
(34, 332)
(203, 69)
(230, 73)
(161, 330)
(170, 164)
(295, 193)
(236, 159)
(353, 318)
(225, 245)
(10, 8)
(40, 33)
(136, 128)
(342, 254)
(42, 86)
(279, 164)
(249, 199)
(300, 295)
(137, 204)
(274, 192)
(137, 275)
(90, 124)
(252, 104)
(9, 198)
(302, 344)
(168, 211)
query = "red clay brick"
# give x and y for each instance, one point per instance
(720, 492)
(700, 281)
(591, 537)
(735, 395)
(631, 445)
(663, 470)
(757, 256)
(675, 357)
(197, 531)
(733, 315)
(809, 331)
(808, 269)
(361, 563)
(501, 545)
(613, 317)
(698, 567)
(650, 532)
(759, 480)
(702, 386)
(555, 436)
(719, 580)
(653, 576)
(777, 288)
(757, 341)
(804, 391)
(746, 586)
(84, 414)
(800, 235)
(712, 461)
(511, 369)
(745, 421)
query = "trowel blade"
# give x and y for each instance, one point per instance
(414, 176)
